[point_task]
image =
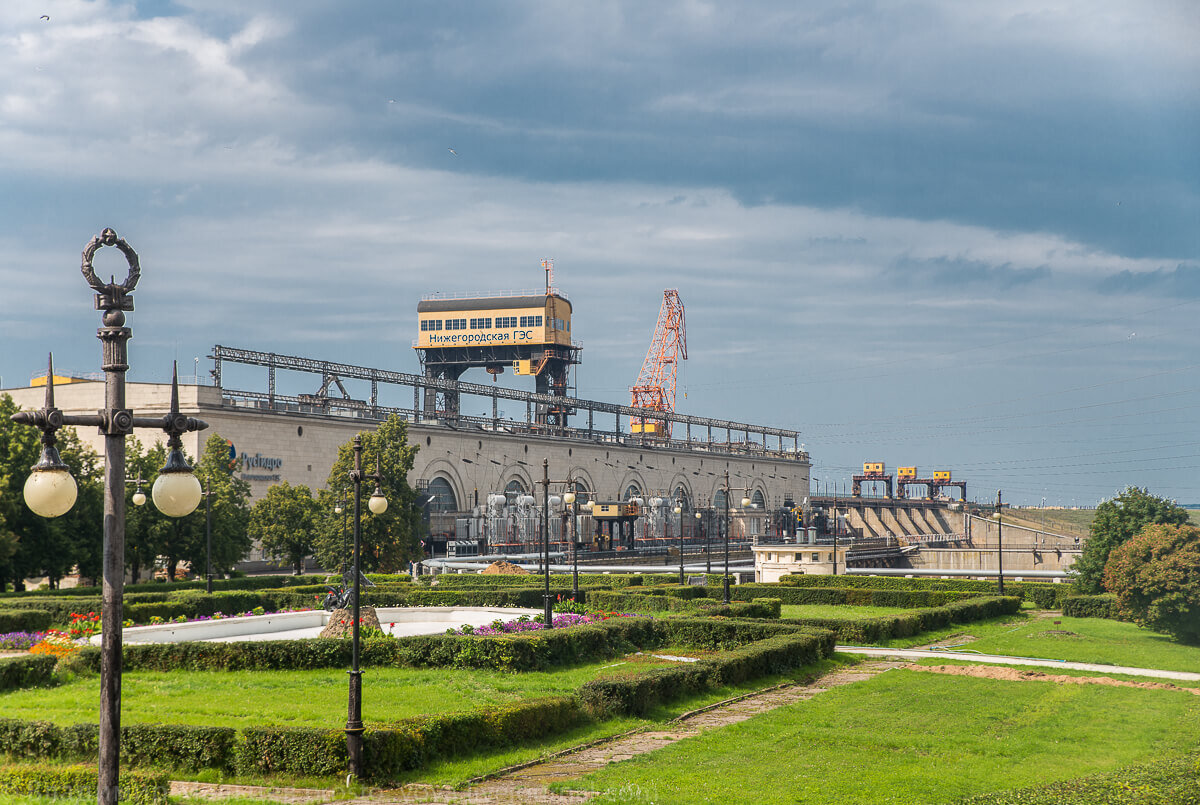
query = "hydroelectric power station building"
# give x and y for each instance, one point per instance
(479, 464)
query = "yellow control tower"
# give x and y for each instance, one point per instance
(525, 331)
